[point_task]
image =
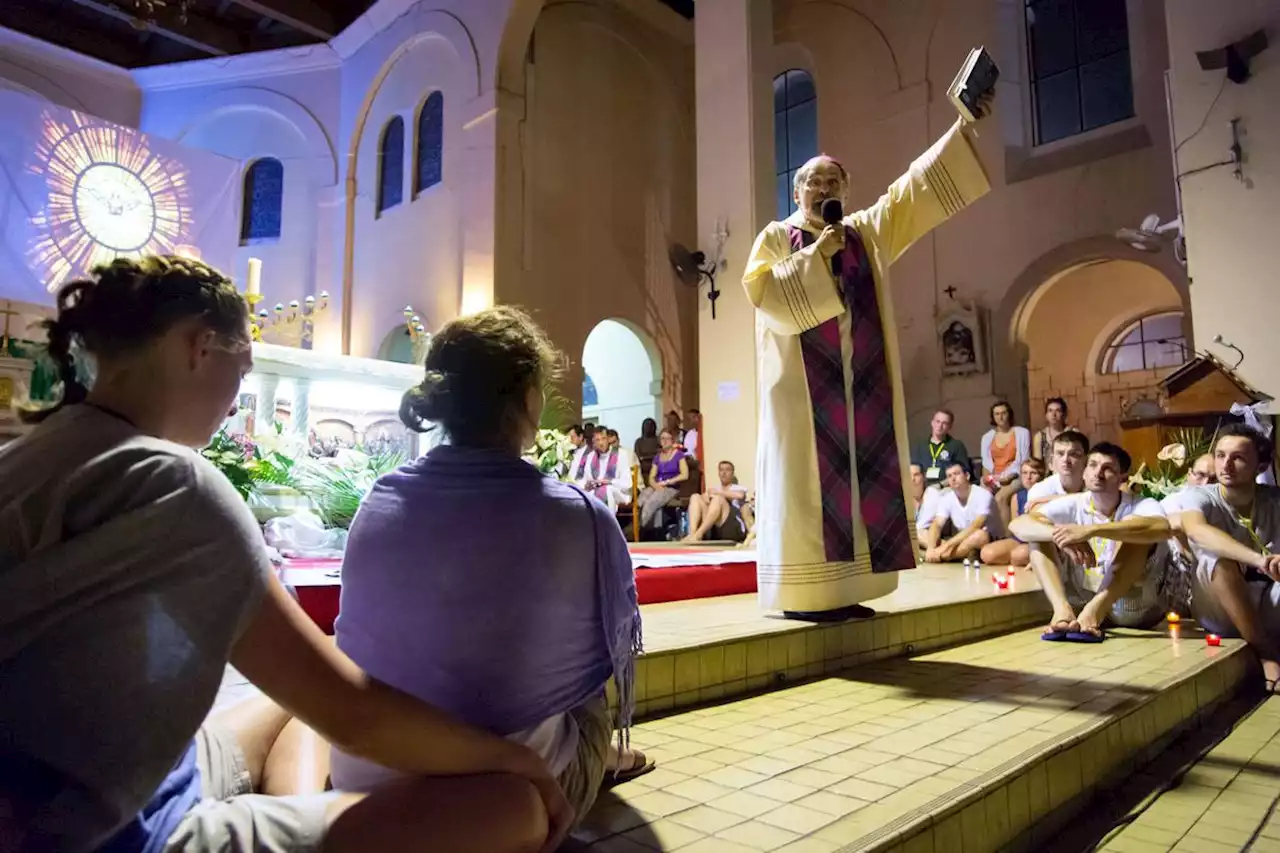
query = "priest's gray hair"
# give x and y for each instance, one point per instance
(802, 174)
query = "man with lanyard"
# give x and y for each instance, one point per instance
(1096, 543)
(1233, 528)
(940, 450)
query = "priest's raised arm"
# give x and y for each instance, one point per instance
(832, 446)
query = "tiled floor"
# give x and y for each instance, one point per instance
(687, 624)
(961, 749)
(1223, 803)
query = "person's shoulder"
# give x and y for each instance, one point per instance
(1198, 497)
(1143, 505)
(1044, 488)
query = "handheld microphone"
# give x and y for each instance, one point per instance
(833, 214)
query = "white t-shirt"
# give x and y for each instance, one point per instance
(928, 507)
(1046, 488)
(1077, 509)
(1210, 503)
(691, 442)
(964, 514)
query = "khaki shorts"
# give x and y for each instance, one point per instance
(582, 779)
(233, 819)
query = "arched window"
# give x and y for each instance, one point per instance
(795, 131)
(391, 165)
(589, 395)
(429, 167)
(263, 200)
(1154, 341)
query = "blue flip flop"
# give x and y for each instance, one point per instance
(1053, 636)
(1086, 636)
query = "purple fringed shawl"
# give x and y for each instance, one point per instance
(497, 594)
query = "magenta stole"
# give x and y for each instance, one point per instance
(874, 459)
(610, 472)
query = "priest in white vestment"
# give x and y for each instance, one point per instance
(832, 477)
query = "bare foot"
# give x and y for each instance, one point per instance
(1090, 622)
(1271, 672)
(1063, 620)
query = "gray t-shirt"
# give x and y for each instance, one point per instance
(128, 568)
(1209, 502)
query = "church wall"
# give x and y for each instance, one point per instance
(1230, 225)
(68, 79)
(1067, 330)
(610, 183)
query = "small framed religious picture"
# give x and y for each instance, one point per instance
(963, 344)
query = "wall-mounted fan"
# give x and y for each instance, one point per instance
(692, 268)
(1152, 236)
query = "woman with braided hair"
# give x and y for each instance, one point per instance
(131, 573)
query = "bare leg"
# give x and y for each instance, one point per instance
(1000, 552)
(1003, 498)
(696, 509)
(456, 814)
(1049, 573)
(297, 764)
(1232, 592)
(1129, 567)
(256, 723)
(972, 544)
(1021, 555)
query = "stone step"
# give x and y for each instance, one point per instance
(991, 745)
(1226, 801)
(709, 650)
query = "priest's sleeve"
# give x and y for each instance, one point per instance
(939, 184)
(793, 291)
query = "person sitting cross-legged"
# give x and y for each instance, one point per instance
(1012, 551)
(967, 509)
(670, 468)
(718, 511)
(1233, 528)
(1089, 551)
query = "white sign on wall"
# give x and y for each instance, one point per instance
(728, 392)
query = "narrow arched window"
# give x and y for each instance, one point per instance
(391, 165)
(795, 131)
(429, 165)
(260, 216)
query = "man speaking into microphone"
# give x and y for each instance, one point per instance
(831, 468)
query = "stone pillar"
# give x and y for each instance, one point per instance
(264, 413)
(735, 192)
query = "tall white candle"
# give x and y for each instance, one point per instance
(255, 277)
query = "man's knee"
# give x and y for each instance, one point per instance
(523, 804)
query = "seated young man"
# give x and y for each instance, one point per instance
(1091, 549)
(719, 510)
(1066, 466)
(1232, 528)
(967, 509)
(1012, 551)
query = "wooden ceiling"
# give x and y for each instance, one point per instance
(122, 33)
(119, 32)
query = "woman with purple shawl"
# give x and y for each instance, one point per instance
(475, 583)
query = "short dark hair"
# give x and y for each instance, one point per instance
(1116, 452)
(612, 433)
(997, 404)
(1261, 443)
(726, 462)
(575, 428)
(1071, 436)
(1061, 402)
(956, 463)
(946, 412)
(695, 411)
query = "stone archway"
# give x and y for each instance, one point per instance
(623, 367)
(1009, 352)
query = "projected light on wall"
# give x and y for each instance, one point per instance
(109, 196)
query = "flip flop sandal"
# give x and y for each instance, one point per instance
(1271, 686)
(1086, 636)
(635, 771)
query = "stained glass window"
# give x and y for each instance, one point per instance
(1078, 52)
(795, 131)
(429, 169)
(589, 395)
(260, 216)
(391, 165)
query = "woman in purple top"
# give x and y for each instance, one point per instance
(474, 582)
(670, 468)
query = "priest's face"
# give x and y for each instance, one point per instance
(823, 178)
